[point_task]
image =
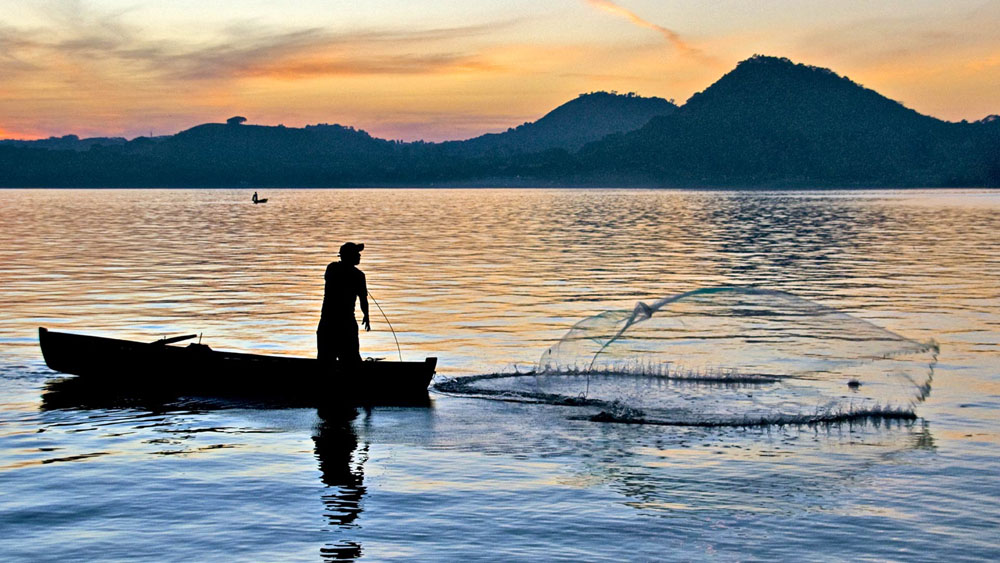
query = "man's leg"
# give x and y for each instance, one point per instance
(352, 344)
(346, 343)
(325, 349)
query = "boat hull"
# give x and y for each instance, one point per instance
(196, 369)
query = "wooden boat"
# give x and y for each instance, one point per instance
(260, 201)
(195, 369)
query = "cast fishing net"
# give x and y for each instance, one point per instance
(725, 356)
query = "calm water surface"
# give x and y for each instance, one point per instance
(487, 280)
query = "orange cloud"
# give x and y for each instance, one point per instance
(336, 65)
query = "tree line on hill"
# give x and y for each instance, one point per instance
(769, 122)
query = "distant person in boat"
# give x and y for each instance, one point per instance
(255, 197)
(337, 335)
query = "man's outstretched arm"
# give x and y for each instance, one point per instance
(363, 300)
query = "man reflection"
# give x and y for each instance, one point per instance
(336, 443)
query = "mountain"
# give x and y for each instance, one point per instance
(570, 126)
(771, 121)
(768, 122)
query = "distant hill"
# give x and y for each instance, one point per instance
(587, 118)
(66, 142)
(209, 155)
(234, 154)
(771, 121)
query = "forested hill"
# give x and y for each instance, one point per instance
(570, 126)
(771, 121)
(209, 155)
(768, 122)
(66, 143)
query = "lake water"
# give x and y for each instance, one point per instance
(486, 280)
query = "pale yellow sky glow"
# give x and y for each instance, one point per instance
(451, 69)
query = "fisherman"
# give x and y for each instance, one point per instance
(337, 335)
(255, 197)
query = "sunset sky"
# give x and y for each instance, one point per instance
(453, 69)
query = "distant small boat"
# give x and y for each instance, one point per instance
(260, 201)
(197, 370)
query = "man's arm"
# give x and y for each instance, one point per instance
(363, 300)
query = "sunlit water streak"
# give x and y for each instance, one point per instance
(487, 280)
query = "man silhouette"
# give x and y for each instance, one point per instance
(337, 335)
(255, 197)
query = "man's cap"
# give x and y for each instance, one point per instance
(351, 248)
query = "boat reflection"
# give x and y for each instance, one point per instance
(340, 455)
(80, 393)
(86, 393)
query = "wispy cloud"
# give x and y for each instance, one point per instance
(670, 35)
(344, 65)
(104, 44)
(316, 52)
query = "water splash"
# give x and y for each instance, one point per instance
(724, 356)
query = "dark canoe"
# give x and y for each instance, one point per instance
(195, 369)
(261, 201)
